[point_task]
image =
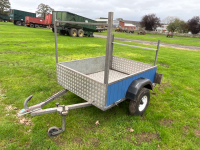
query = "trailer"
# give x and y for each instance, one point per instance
(34, 22)
(72, 29)
(100, 29)
(102, 81)
(4, 18)
(18, 16)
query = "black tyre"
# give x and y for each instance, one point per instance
(18, 23)
(80, 33)
(37, 26)
(52, 29)
(73, 32)
(139, 106)
(52, 130)
(32, 25)
(23, 24)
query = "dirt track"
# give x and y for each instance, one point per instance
(153, 43)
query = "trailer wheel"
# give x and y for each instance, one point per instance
(37, 26)
(18, 23)
(73, 32)
(23, 24)
(52, 130)
(138, 106)
(80, 33)
(32, 25)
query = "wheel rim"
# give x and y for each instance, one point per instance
(81, 33)
(52, 131)
(74, 33)
(143, 103)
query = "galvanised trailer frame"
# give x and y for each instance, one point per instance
(109, 81)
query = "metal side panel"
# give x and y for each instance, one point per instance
(117, 90)
(81, 85)
(87, 66)
(129, 66)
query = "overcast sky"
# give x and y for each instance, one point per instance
(126, 9)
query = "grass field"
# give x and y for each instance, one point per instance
(153, 37)
(27, 66)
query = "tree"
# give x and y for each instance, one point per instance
(4, 7)
(150, 21)
(119, 19)
(177, 25)
(194, 25)
(43, 9)
(169, 19)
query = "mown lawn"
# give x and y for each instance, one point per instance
(153, 37)
(27, 66)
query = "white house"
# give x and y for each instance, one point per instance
(162, 29)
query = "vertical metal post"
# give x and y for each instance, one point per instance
(111, 52)
(63, 122)
(157, 53)
(55, 34)
(108, 47)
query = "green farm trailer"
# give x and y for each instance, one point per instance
(4, 18)
(18, 16)
(72, 29)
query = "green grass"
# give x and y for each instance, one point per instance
(153, 37)
(27, 66)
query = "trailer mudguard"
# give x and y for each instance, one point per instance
(136, 85)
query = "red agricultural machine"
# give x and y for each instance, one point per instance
(34, 22)
(141, 32)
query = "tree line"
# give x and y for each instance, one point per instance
(151, 22)
(42, 9)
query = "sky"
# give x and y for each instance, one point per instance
(127, 9)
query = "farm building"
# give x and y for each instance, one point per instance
(123, 24)
(116, 23)
(101, 20)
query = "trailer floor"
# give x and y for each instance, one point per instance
(113, 76)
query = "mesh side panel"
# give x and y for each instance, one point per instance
(129, 66)
(82, 86)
